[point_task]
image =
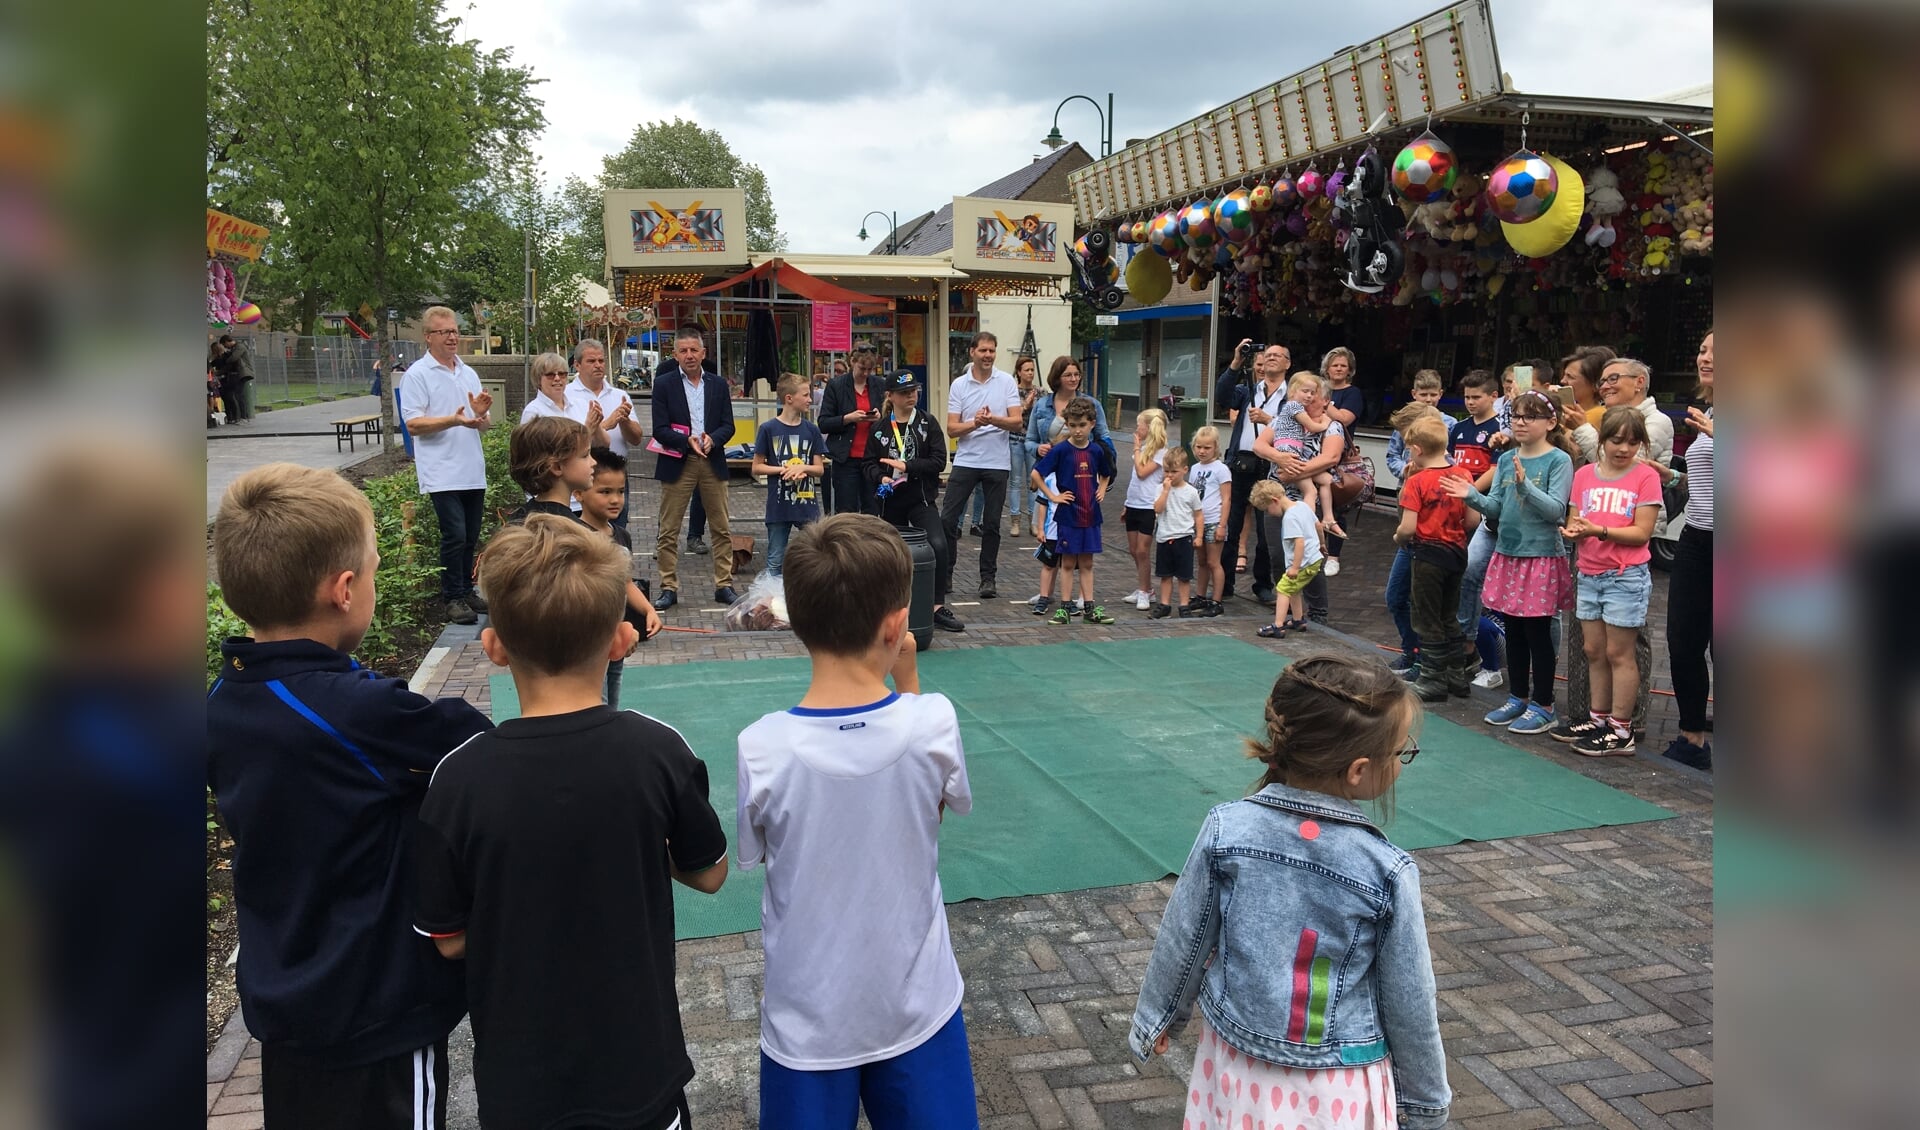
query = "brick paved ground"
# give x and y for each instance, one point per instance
(1574, 969)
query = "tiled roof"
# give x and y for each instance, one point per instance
(936, 234)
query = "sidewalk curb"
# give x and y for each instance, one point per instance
(228, 1049)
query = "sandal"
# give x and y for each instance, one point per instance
(1271, 632)
(1242, 566)
(1293, 625)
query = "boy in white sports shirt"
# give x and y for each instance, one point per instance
(841, 799)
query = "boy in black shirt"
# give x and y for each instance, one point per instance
(319, 767)
(549, 458)
(546, 848)
(599, 506)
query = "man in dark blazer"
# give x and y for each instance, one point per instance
(693, 420)
(849, 406)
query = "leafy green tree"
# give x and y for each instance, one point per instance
(676, 154)
(352, 127)
(489, 255)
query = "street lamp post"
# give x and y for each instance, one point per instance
(893, 229)
(1054, 140)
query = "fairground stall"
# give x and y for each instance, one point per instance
(681, 254)
(1404, 200)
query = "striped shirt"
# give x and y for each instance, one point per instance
(1700, 480)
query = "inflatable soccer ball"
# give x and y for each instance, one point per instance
(1522, 187)
(1424, 171)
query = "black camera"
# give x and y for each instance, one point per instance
(1252, 348)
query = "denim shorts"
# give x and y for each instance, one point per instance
(1618, 598)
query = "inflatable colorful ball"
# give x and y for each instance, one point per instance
(1285, 193)
(246, 314)
(1310, 184)
(1139, 231)
(1260, 198)
(1163, 234)
(1522, 188)
(1196, 224)
(1425, 170)
(1233, 216)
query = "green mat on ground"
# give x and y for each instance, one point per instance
(1106, 783)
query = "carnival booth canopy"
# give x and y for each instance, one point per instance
(683, 253)
(1407, 169)
(790, 279)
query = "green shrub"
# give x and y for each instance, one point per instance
(407, 584)
(221, 623)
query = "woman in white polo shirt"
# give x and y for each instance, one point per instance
(550, 377)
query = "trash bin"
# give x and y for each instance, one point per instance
(920, 608)
(1193, 417)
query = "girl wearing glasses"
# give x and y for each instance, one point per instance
(1297, 926)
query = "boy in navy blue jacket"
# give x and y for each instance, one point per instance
(319, 767)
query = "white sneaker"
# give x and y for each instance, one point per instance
(1333, 567)
(1489, 679)
(1142, 601)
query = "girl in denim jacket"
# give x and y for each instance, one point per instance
(1298, 928)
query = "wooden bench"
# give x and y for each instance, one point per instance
(343, 429)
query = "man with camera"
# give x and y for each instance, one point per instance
(1251, 400)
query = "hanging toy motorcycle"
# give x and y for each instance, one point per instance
(1374, 258)
(1095, 274)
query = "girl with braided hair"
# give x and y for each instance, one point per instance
(1297, 926)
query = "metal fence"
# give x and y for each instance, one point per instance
(289, 368)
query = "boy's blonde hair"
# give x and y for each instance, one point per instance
(1208, 434)
(791, 383)
(1300, 380)
(1176, 459)
(1427, 432)
(1265, 492)
(281, 530)
(556, 591)
(844, 575)
(1428, 380)
(1409, 412)
(536, 449)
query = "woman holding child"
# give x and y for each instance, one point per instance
(1288, 467)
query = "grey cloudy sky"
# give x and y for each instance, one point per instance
(850, 105)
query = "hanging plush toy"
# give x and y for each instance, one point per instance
(1604, 202)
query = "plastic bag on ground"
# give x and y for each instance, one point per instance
(762, 608)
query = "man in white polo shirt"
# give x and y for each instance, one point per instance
(616, 428)
(983, 406)
(445, 410)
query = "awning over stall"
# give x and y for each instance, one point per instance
(790, 278)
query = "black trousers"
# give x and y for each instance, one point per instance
(403, 1092)
(459, 513)
(960, 484)
(1236, 522)
(928, 521)
(1690, 625)
(852, 494)
(232, 398)
(1530, 654)
(1435, 599)
(696, 517)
